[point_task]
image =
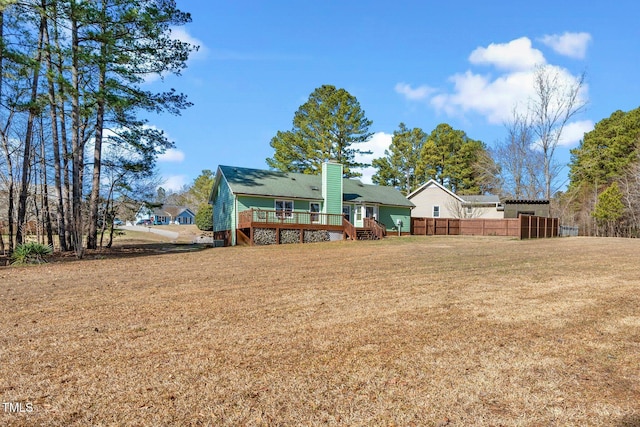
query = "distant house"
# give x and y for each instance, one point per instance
(433, 200)
(274, 207)
(166, 215)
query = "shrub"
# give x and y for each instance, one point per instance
(30, 253)
(204, 217)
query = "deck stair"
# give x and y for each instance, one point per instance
(365, 234)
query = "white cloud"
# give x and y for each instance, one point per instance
(379, 142)
(574, 132)
(494, 99)
(174, 182)
(180, 33)
(494, 96)
(421, 92)
(573, 45)
(517, 54)
(171, 156)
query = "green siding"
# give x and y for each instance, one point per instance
(389, 216)
(248, 202)
(224, 217)
(302, 205)
(269, 203)
(332, 188)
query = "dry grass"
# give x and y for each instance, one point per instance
(412, 331)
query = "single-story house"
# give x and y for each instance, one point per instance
(251, 202)
(166, 215)
(433, 200)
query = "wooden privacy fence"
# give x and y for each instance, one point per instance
(524, 227)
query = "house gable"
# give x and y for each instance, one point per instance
(433, 196)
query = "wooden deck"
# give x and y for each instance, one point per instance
(259, 219)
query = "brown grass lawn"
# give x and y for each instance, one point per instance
(416, 331)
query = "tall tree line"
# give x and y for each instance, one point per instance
(71, 100)
(446, 155)
(603, 196)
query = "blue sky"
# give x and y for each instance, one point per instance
(465, 63)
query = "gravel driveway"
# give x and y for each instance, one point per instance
(166, 233)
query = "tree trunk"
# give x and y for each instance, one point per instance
(55, 143)
(45, 191)
(92, 237)
(1, 71)
(27, 155)
(77, 148)
(64, 144)
(5, 145)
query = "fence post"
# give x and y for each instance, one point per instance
(546, 227)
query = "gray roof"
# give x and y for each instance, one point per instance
(172, 211)
(480, 200)
(258, 182)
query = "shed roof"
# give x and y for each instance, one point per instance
(258, 182)
(527, 201)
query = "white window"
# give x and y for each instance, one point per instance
(436, 211)
(284, 208)
(314, 208)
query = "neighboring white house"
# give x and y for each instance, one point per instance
(433, 200)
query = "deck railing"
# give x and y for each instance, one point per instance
(349, 229)
(379, 230)
(255, 217)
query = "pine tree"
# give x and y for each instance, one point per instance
(607, 154)
(609, 209)
(127, 40)
(324, 129)
(399, 166)
(450, 157)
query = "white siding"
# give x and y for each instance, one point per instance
(429, 197)
(450, 206)
(488, 213)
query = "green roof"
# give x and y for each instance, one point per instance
(258, 182)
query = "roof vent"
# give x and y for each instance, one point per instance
(315, 188)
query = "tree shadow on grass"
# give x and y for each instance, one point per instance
(630, 420)
(130, 250)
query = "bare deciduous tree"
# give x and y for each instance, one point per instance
(466, 210)
(520, 164)
(557, 100)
